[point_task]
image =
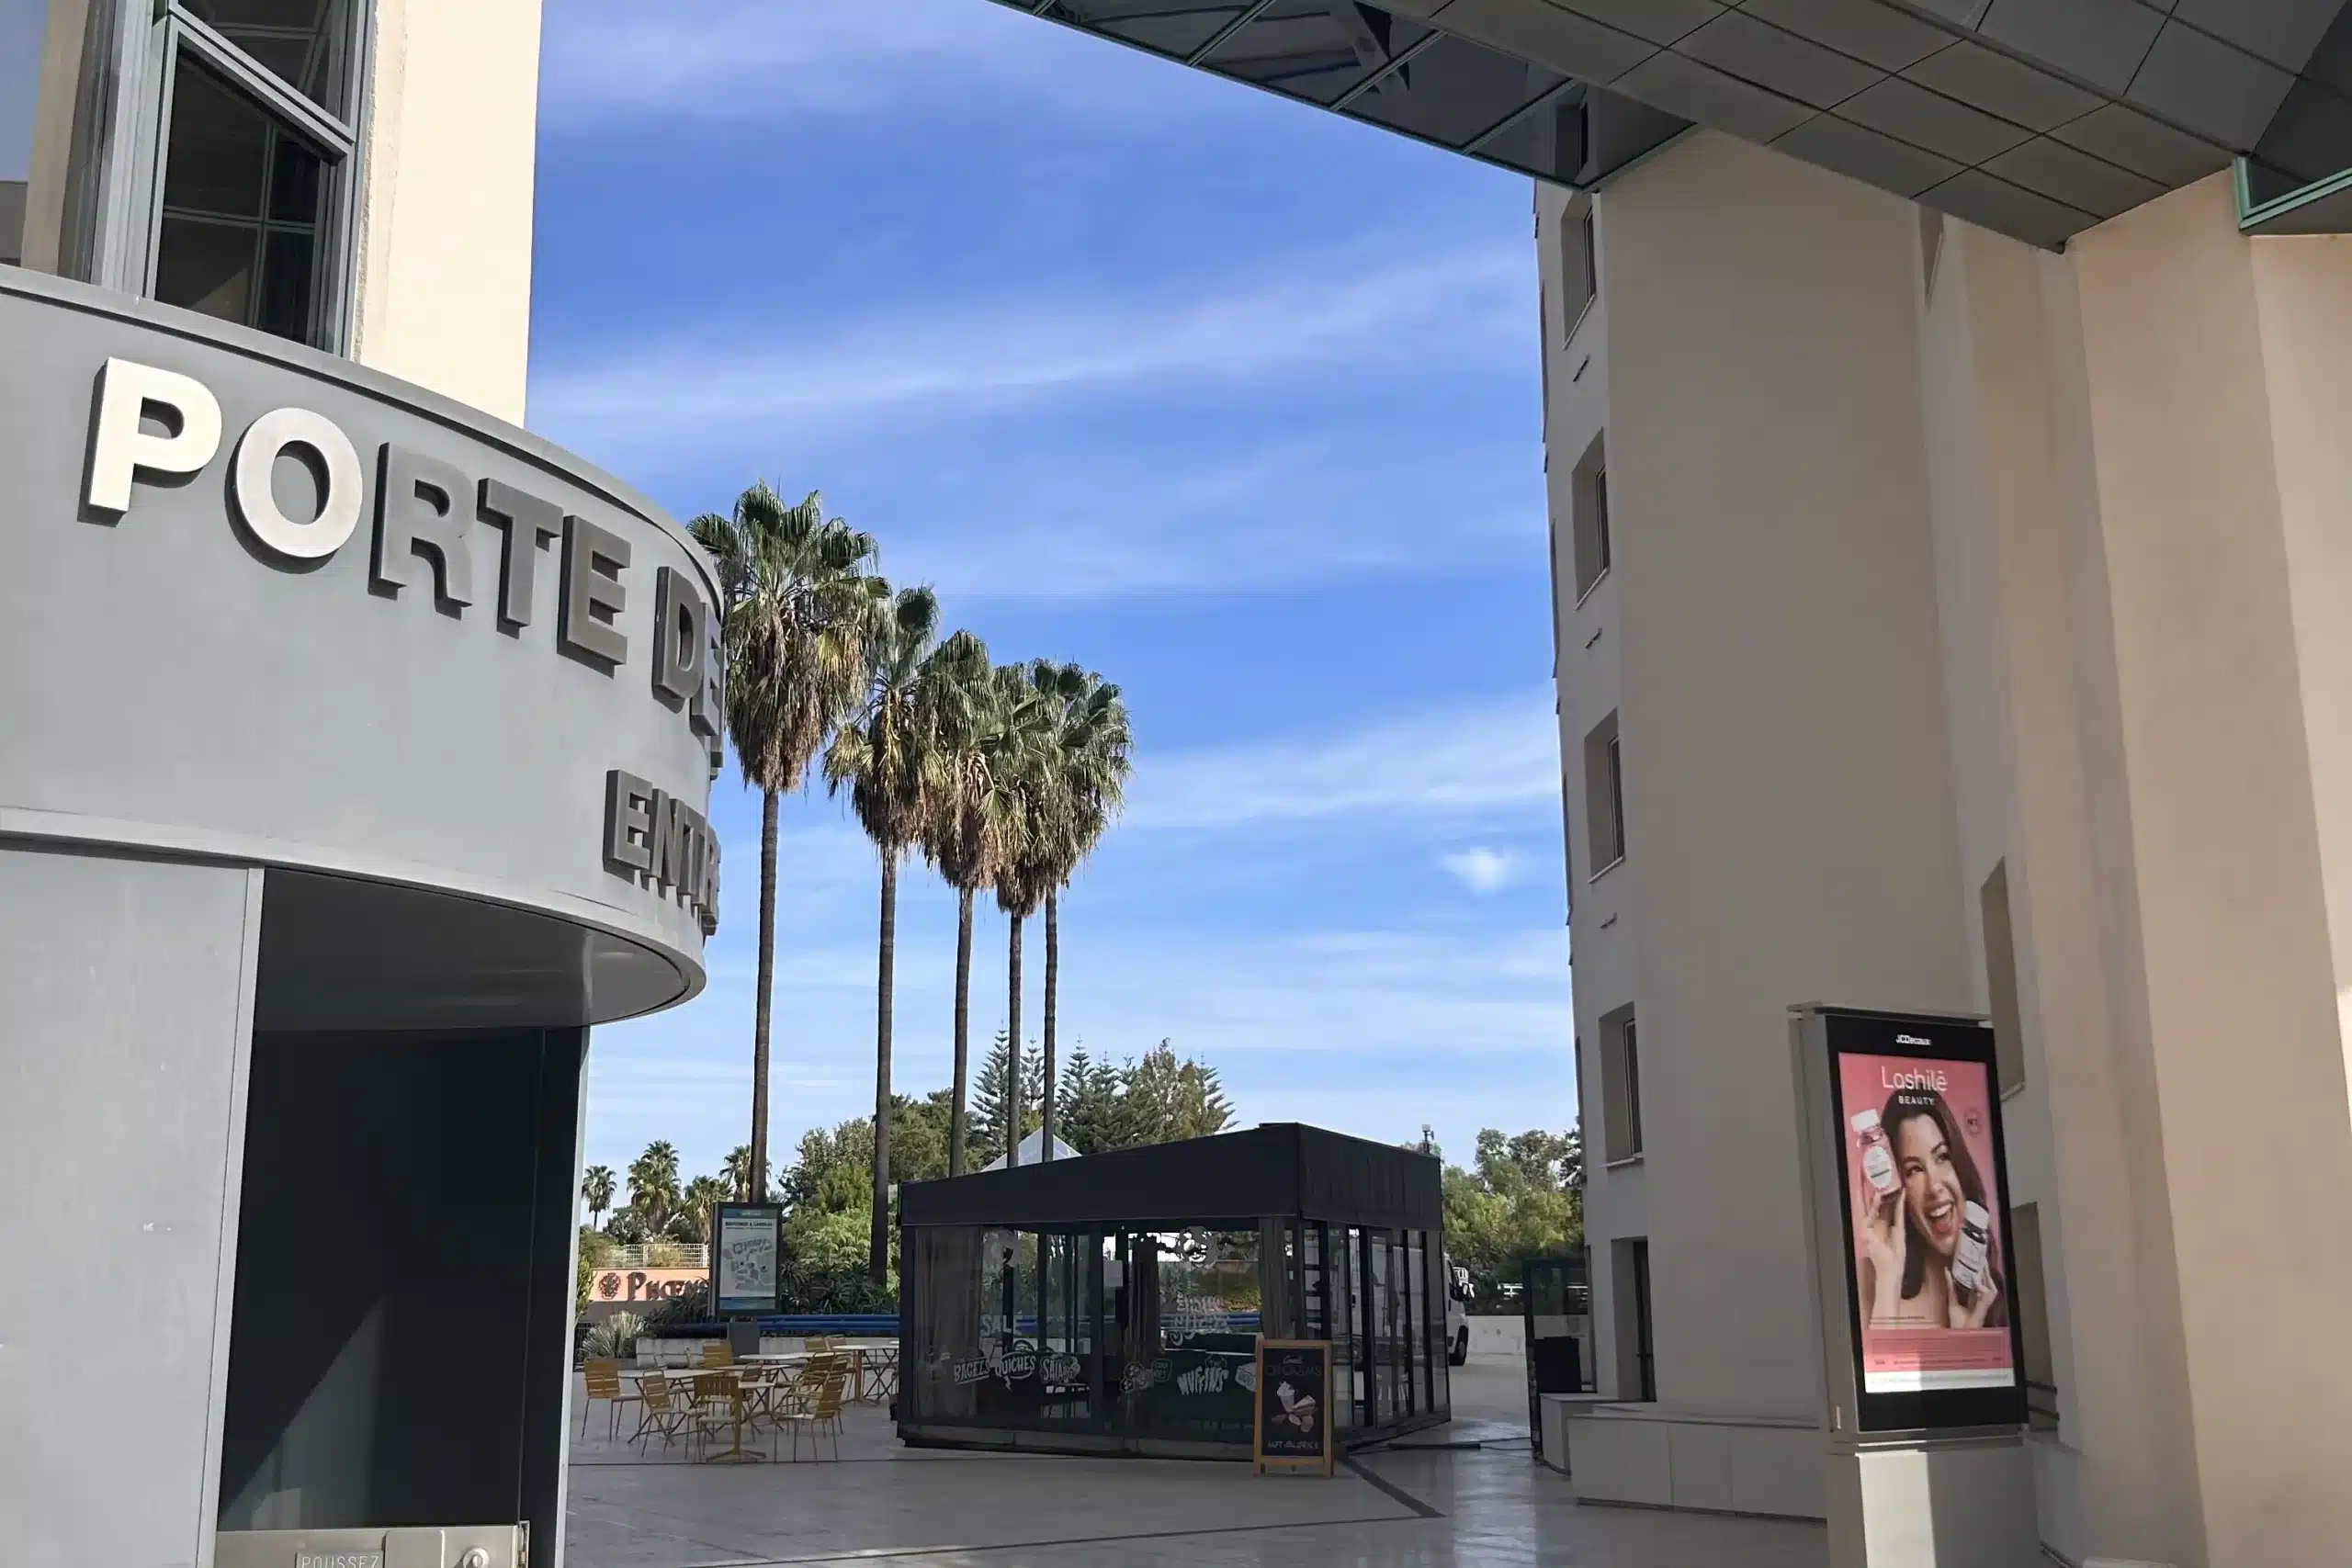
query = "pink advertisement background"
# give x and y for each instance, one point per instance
(1895, 1354)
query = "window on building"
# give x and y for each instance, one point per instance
(1576, 1047)
(1628, 1268)
(2030, 1290)
(1589, 516)
(305, 44)
(1620, 1086)
(2001, 981)
(1568, 854)
(23, 24)
(1579, 268)
(1604, 789)
(256, 170)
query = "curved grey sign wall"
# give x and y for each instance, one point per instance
(262, 605)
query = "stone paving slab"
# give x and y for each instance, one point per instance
(1414, 1505)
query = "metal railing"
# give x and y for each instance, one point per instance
(660, 1255)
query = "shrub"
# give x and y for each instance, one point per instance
(615, 1338)
(692, 1305)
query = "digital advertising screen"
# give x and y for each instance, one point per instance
(747, 1258)
(1927, 1224)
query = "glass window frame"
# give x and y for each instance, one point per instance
(174, 35)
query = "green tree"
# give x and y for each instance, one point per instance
(974, 810)
(737, 1170)
(997, 1095)
(1087, 1108)
(1522, 1198)
(1165, 1097)
(596, 1250)
(596, 1191)
(1084, 762)
(701, 1198)
(831, 1176)
(825, 1265)
(654, 1185)
(1026, 860)
(884, 756)
(918, 1136)
(800, 608)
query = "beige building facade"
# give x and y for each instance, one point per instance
(1944, 412)
(410, 126)
(1969, 639)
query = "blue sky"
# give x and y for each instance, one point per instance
(1233, 400)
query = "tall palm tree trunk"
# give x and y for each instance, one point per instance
(878, 1244)
(963, 1029)
(1053, 972)
(1012, 1034)
(761, 1004)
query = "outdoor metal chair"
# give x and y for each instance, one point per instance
(819, 1415)
(720, 1411)
(664, 1411)
(604, 1383)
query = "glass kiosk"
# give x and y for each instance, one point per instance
(1113, 1302)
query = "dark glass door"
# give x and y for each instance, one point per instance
(1645, 1352)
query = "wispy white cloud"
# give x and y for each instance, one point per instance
(1480, 758)
(1468, 1013)
(1090, 523)
(1481, 868)
(726, 382)
(1257, 986)
(769, 60)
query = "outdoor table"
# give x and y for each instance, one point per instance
(735, 1452)
(874, 1364)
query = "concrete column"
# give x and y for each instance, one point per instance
(2215, 663)
(1788, 799)
(2001, 394)
(130, 988)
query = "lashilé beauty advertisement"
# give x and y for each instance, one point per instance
(1930, 1263)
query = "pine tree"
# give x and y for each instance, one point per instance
(988, 1098)
(1166, 1097)
(1089, 1116)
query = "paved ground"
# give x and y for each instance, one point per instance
(1411, 1506)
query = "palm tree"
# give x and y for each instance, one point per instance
(800, 608)
(737, 1170)
(654, 1184)
(700, 1201)
(1025, 863)
(596, 1191)
(884, 758)
(968, 824)
(1086, 764)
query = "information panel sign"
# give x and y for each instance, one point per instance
(1915, 1152)
(746, 1258)
(1294, 1405)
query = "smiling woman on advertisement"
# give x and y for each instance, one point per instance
(1931, 1259)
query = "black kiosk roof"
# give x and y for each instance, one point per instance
(1282, 1170)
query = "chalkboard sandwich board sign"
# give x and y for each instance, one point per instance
(1293, 1405)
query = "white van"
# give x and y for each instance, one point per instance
(1457, 1313)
